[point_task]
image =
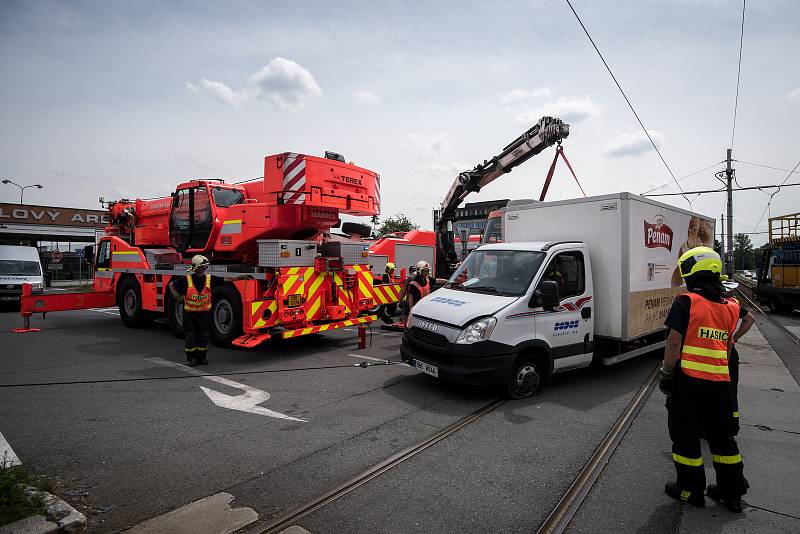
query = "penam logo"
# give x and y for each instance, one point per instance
(451, 302)
(658, 234)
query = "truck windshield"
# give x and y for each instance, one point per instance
(224, 198)
(20, 267)
(498, 272)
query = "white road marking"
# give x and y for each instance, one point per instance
(107, 311)
(7, 455)
(246, 402)
(367, 358)
(794, 330)
(209, 515)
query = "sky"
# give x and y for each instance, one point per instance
(129, 98)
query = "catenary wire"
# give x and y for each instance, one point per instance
(769, 202)
(723, 189)
(738, 76)
(682, 178)
(765, 166)
(628, 101)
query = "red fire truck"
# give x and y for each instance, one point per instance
(274, 232)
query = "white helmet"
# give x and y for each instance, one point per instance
(198, 261)
(422, 265)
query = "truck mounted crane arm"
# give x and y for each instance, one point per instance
(547, 132)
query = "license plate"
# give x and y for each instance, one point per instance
(9, 298)
(427, 368)
(294, 301)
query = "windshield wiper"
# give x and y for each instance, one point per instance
(489, 289)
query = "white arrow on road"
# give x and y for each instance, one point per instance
(246, 402)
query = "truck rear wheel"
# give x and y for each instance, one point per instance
(175, 317)
(776, 306)
(129, 302)
(226, 316)
(525, 379)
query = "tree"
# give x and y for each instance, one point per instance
(396, 223)
(718, 247)
(742, 251)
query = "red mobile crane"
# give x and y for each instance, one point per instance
(274, 230)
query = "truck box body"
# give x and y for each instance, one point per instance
(634, 245)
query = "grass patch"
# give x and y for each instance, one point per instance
(15, 502)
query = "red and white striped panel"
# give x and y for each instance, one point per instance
(294, 179)
(378, 190)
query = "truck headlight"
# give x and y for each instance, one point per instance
(479, 330)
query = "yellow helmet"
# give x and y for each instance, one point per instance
(390, 267)
(700, 260)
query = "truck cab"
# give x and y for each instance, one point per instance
(512, 314)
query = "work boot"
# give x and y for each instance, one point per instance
(202, 361)
(192, 363)
(695, 498)
(732, 503)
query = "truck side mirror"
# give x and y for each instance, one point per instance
(546, 296)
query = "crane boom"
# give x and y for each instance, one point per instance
(547, 132)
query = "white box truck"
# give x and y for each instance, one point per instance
(574, 281)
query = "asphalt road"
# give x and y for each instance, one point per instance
(127, 451)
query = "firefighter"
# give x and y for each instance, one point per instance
(195, 290)
(696, 379)
(418, 286)
(387, 311)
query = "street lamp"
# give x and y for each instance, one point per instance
(21, 188)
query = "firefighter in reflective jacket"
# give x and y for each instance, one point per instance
(695, 376)
(195, 291)
(418, 286)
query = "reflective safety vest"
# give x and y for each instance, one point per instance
(709, 337)
(423, 290)
(197, 301)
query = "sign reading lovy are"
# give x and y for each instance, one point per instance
(28, 214)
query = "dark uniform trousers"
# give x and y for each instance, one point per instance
(703, 408)
(197, 326)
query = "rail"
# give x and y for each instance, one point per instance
(558, 519)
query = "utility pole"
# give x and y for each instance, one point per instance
(722, 239)
(729, 248)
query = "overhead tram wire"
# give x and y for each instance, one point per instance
(738, 76)
(769, 202)
(767, 166)
(723, 189)
(682, 178)
(629, 102)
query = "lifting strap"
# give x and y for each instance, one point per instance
(559, 152)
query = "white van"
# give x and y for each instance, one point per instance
(19, 265)
(578, 281)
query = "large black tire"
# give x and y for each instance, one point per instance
(175, 317)
(526, 378)
(226, 315)
(129, 302)
(351, 228)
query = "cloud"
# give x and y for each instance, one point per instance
(570, 109)
(632, 144)
(794, 94)
(520, 95)
(450, 170)
(364, 97)
(428, 144)
(285, 83)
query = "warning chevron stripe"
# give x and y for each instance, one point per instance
(329, 326)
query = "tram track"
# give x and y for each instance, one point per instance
(559, 517)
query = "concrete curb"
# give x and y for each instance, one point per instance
(60, 518)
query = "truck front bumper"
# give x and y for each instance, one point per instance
(482, 363)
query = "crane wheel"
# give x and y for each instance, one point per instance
(129, 302)
(175, 317)
(226, 315)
